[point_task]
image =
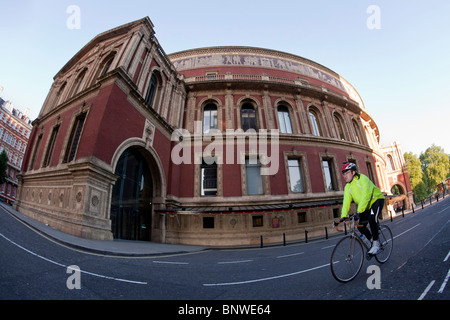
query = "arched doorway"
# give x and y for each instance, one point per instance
(131, 202)
(398, 198)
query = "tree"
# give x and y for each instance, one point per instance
(414, 168)
(435, 166)
(3, 166)
(415, 175)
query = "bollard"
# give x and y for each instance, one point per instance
(430, 200)
(284, 239)
(403, 212)
(345, 228)
(326, 233)
(262, 244)
(391, 216)
(412, 206)
(306, 236)
(422, 204)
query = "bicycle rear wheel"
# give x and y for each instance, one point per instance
(386, 244)
(347, 259)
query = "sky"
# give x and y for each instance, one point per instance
(395, 53)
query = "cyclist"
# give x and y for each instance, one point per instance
(369, 199)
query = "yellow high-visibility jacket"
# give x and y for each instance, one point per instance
(363, 192)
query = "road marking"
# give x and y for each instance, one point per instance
(328, 247)
(237, 261)
(170, 262)
(443, 210)
(441, 289)
(264, 279)
(407, 230)
(64, 266)
(426, 290)
(290, 255)
(446, 258)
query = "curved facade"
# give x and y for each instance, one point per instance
(210, 146)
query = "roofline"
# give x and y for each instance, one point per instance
(189, 52)
(101, 37)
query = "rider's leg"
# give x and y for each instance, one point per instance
(363, 220)
(373, 222)
(373, 217)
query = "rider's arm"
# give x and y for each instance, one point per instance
(347, 202)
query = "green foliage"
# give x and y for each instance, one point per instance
(428, 170)
(435, 166)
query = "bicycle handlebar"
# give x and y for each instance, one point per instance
(354, 216)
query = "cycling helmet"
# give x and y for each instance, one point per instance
(348, 166)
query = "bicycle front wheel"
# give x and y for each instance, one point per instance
(347, 259)
(386, 244)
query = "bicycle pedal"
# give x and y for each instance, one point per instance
(369, 256)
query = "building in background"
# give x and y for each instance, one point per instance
(211, 146)
(15, 129)
(397, 178)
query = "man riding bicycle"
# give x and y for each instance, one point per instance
(369, 199)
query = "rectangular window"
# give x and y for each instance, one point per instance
(336, 213)
(209, 178)
(208, 222)
(253, 177)
(50, 147)
(74, 138)
(329, 175)
(295, 176)
(301, 217)
(258, 221)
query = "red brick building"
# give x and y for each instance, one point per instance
(15, 129)
(213, 146)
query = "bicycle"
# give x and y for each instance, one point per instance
(347, 258)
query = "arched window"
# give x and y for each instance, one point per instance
(78, 81)
(339, 128)
(315, 125)
(151, 92)
(58, 98)
(357, 132)
(209, 117)
(248, 117)
(106, 65)
(284, 119)
(390, 163)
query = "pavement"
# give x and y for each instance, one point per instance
(115, 247)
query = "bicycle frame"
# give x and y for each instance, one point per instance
(353, 233)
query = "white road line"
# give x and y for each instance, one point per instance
(264, 279)
(407, 230)
(441, 289)
(328, 247)
(446, 258)
(426, 290)
(237, 261)
(64, 266)
(170, 262)
(290, 255)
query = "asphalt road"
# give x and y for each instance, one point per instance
(33, 267)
